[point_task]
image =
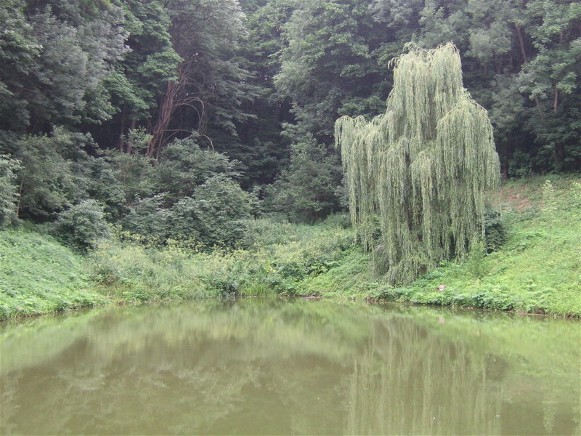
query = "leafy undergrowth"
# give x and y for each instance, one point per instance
(279, 258)
(38, 275)
(41, 276)
(538, 270)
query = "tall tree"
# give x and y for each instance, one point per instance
(422, 168)
(551, 80)
(77, 44)
(329, 65)
(139, 80)
(18, 53)
(262, 150)
(210, 84)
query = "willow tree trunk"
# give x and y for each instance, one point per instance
(421, 170)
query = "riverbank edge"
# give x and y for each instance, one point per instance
(363, 298)
(377, 294)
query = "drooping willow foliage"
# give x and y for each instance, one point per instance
(417, 175)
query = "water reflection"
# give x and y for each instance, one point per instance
(265, 367)
(409, 381)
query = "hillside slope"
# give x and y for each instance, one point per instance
(39, 275)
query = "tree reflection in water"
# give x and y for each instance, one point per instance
(288, 367)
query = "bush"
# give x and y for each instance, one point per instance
(476, 260)
(212, 217)
(183, 165)
(520, 165)
(54, 172)
(220, 205)
(82, 225)
(133, 173)
(494, 230)
(149, 218)
(307, 191)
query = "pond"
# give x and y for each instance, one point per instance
(289, 367)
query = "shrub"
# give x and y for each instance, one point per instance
(54, 172)
(133, 172)
(342, 220)
(104, 187)
(475, 262)
(520, 165)
(549, 200)
(149, 218)
(212, 217)
(183, 165)
(307, 191)
(82, 225)
(220, 205)
(494, 230)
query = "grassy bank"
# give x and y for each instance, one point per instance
(538, 270)
(38, 275)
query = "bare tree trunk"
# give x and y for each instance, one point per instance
(166, 110)
(523, 52)
(122, 130)
(174, 98)
(19, 197)
(521, 43)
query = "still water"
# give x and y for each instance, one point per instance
(301, 367)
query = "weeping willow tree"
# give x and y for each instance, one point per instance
(417, 175)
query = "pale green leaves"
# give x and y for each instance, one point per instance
(422, 168)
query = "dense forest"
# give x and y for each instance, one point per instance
(173, 119)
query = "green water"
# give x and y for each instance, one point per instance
(302, 367)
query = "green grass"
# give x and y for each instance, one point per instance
(38, 275)
(538, 270)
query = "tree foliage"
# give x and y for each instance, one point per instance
(54, 173)
(57, 56)
(82, 225)
(329, 65)
(194, 197)
(8, 189)
(422, 168)
(308, 190)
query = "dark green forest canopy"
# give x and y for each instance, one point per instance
(92, 94)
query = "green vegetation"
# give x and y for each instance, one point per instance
(92, 94)
(169, 143)
(38, 275)
(278, 258)
(537, 270)
(422, 169)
